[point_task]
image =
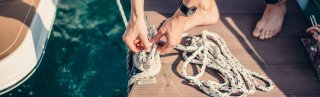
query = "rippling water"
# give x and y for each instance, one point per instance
(85, 56)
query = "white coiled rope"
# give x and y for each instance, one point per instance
(211, 52)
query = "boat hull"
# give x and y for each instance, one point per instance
(19, 65)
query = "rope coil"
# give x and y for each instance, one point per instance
(210, 51)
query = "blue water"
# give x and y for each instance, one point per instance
(85, 56)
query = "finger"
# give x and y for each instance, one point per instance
(171, 42)
(318, 38)
(136, 41)
(139, 44)
(166, 48)
(139, 47)
(145, 42)
(310, 29)
(157, 37)
(315, 36)
(317, 29)
(313, 28)
(131, 45)
(313, 32)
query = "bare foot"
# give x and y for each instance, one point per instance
(271, 22)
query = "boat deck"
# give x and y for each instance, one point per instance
(15, 19)
(282, 58)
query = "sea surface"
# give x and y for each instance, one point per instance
(85, 56)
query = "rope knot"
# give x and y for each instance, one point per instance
(147, 62)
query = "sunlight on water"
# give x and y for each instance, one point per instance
(85, 56)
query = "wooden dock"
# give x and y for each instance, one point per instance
(282, 59)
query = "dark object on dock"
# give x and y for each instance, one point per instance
(312, 47)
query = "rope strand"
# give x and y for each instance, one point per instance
(124, 19)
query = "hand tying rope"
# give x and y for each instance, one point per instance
(147, 62)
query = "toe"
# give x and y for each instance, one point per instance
(263, 34)
(269, 34)
(256, 32)
(273, 33)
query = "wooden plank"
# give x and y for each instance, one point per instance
(290, 79)
(251, 7)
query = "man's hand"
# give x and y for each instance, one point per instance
(135, 35)
(172, 29)
(314, 31)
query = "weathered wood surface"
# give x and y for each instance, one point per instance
(282, 58)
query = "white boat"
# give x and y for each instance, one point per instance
(25, 27)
